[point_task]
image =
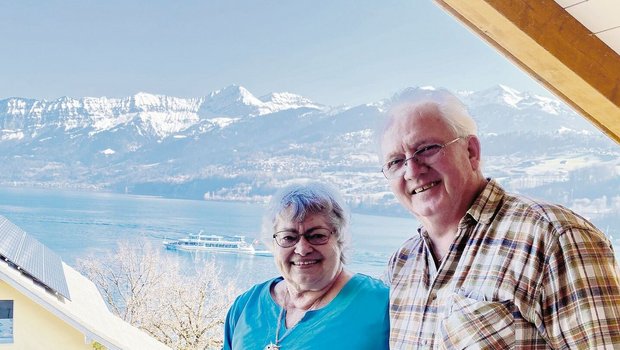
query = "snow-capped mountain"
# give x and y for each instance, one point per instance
(236, 101)
(503, 107)
(233, 145)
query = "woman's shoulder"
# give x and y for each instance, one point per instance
(364, 278)
(257, 291)
(364, 282)
(368, 294)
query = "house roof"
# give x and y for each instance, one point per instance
(86, 311)
(572, 47)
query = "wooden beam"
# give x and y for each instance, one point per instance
(548, 43)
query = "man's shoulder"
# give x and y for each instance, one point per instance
(521, 208)
(550, 212)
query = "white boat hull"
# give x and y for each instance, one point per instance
(215, 244)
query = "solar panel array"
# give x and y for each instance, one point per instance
(32, 257)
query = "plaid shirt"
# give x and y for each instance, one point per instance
(520, 274)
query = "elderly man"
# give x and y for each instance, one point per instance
(487, 269)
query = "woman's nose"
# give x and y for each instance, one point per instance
(303, 247)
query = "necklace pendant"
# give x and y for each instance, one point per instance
(272, 346)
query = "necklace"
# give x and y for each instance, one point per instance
(282, 315)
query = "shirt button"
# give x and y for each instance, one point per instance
(433, 297)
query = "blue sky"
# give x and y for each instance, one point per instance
(333, 52)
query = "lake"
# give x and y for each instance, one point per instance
(79, 224)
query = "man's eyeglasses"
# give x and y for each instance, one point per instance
(426, 155)
(287, 239)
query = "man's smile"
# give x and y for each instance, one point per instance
(424, 188)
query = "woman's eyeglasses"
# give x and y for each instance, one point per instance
(287, 239)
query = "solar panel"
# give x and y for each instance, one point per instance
(10, 236)
(32, 257)
(55, 275)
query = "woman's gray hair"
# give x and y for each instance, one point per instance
(296, 201)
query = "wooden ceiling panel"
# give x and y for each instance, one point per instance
(612, 37)
(546, 41)
(596, 15)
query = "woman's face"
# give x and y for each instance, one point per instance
(305, 266)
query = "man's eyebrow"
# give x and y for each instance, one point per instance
(392, 155)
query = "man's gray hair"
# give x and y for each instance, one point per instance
(451, 109)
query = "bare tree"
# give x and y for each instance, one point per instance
(150, 291)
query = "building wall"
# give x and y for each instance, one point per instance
(36, 328)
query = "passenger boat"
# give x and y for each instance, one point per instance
(216, 243)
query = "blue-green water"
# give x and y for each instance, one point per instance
(78, 224)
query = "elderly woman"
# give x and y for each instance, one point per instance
(316, 303)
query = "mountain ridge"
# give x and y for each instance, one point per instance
(231, 145)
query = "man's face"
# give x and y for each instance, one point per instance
(438, 191)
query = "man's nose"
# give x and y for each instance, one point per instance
(413, 167)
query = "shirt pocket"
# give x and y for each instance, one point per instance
(473, 324)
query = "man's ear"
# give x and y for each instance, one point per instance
(474, 151)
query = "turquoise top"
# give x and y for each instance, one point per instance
(357, 318)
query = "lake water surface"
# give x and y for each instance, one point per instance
(78, 224)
